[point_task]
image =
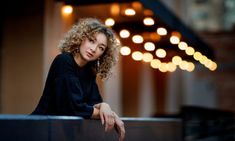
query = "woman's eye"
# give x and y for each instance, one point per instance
(91, 40)
(101, 48)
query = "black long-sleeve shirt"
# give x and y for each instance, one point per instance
(69, 90)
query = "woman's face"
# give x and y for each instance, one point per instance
(92, 48)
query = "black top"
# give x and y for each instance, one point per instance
(69, 89)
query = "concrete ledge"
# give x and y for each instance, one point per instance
(65, 128)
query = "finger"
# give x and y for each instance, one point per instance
(121, 131)
(102, 118)
(106, 122)
(111, 124)
(122, 136)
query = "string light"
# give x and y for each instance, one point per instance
(147, 57)
(174, 40)
(148, 21)
(203, 59)
(155, 63)
(161, 53)
(161, 31)
(190, 67)
(213, 66)
(124, 33)
(171, 67)
(67, 10)
(109, 22)
(183, 65)
(149, 46)
(137, 56)
(197, 56)
(137, 39)
(182, 45)
(176, 60)
(163, 67)
(125, 50)
(129, 12)
(189, 50)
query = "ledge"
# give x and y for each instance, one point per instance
(69, 128)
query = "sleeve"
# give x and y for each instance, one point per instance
(70, 97)
(95, 96)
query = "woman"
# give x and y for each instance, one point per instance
(88, 49)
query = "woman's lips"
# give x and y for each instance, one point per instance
(89, 54)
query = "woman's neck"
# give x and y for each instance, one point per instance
(78, 59)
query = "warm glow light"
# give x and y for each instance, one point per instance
(190, 67)
(208, 63)
(182, 45)
(155, 63)
(161, 31)
(171, 67)
(148, 21)
(137, 39)
(161, 53)
(130, 12)
(109, 22)
(115, 9)
(176, 60)
(125, 50)
(175, 33)
(203, 59)
(213, 66)
(183, 65)
(67, 10)
(154, 36)
(163, 67)
(197, 56)
(147, 57)
(137, 5)
(149, 46)
(137, 56)
(148, 12)
(189, 50)
(124, 33)
(174, 40)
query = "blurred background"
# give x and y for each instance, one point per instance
(175, 52)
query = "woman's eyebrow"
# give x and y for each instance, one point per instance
(103, 44)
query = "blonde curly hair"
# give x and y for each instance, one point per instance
(86, 28)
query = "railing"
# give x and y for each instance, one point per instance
(64, 128)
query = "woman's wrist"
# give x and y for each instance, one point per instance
(97, 105)
(95, 114)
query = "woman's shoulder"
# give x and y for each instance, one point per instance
(64, 59)
(64, 56)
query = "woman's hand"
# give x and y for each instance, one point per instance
(119, 126)
(107, 116)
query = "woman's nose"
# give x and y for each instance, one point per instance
(93, 48)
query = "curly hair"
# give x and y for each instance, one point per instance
(86, 28)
